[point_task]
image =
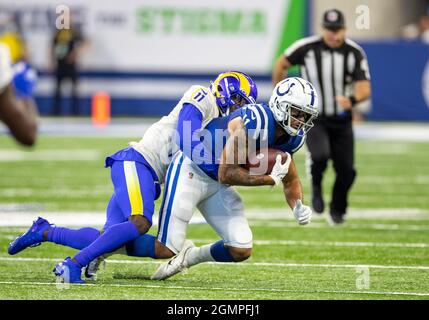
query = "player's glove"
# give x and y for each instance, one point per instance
(280, 169)
(24, 79)
(302, 213)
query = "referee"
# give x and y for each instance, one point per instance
(338, 68)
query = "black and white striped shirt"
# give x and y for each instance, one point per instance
(332, 71)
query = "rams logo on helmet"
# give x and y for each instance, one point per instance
(233, 88)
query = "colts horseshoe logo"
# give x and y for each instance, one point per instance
(281, 94)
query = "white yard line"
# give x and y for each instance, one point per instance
(62, 286)
(310, 243)
(50, 155)
(354, 213)
(306, 243)
(328, 243)
(25, 219)
(277, 224)
(325, 225)
(244, 264)
(16, 215)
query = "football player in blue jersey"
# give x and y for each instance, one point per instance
(204, 180)
(136, 173)
(282, 125)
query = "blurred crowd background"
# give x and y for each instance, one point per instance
(144, 54)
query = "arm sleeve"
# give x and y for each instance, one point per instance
(188, 127)
(362, 69)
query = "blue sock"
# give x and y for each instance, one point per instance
(220, 253)
(77, 239)
(114, 237)
(143, 246)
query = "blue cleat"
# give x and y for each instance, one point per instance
(32, 238)
(68, 271)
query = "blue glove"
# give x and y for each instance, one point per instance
(24, 79)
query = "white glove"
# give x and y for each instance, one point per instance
(302, 213)
(280, 170)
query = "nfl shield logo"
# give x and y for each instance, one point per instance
(191, 175)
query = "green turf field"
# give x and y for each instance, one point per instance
(382, 253)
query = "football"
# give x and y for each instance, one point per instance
(263, 161)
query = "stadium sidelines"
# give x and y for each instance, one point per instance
(63, 286)
(132, 127)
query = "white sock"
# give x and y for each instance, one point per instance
(199, 254)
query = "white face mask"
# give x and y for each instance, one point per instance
(295, 120)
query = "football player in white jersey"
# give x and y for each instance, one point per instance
(17, 108)
(137, 172)
(208, 186)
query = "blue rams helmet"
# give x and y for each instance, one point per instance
(233, 89)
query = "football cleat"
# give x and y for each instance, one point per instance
(335, 218)
(174, 265)
(92, 268)
(68, 271)
(32, 238)
(317, 199)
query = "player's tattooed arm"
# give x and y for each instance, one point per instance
(292, 187)
(235, 154)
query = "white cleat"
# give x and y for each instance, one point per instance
(174, 265)
(93, 267)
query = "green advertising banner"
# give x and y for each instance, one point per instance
(195, 36)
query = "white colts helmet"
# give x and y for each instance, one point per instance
(292, 97)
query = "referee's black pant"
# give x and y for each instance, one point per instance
(332, 138)
(63, 72)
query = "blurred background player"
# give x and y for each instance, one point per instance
(68, 44)
(17, 108)
(339, 70)
(11, 36)
(418, 30)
